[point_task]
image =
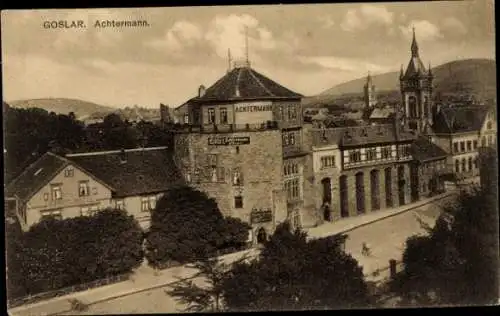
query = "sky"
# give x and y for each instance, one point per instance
(306, 48)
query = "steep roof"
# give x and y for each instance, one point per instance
(382, 113)
(359, 135)
(415, 67)
(35, 176)
(144, 171)
(459, 120)
(424, 150)
(246, 83)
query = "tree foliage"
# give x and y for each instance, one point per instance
(187, 225)
(206, 297)
(58, 253)
(457, 263)
(292, 273)
(29, 133)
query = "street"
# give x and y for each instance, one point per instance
(386, 237)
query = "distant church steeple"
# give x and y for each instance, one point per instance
(414, 46)
(369, 92)
(416, 92)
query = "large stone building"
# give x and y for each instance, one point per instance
(243, 144)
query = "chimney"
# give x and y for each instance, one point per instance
(123, 156)
(201, 91)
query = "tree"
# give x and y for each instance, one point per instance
(187, 225)
(457, 263)
(293, 273)
(55, 254)
(204, 298)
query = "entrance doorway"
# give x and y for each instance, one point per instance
(261, 236)
(327, 213)
(375, 191)
(414, 183)
(388, 187)
(344, 202)
(326, 183)
(401, 185)
(360, 193)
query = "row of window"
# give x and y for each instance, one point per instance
(461, 146)
(327, 162)
(222, 116)
(371, 153)
(288, 112)
(218, 174)
(56, 190)
(290, 169)
(491, 140)
(292, 189)
(464, 163)
(148, 203)
(288, 138)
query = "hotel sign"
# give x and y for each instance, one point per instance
(261, 216)
(254, 108)
(228, 140)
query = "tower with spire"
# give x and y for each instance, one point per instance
(369, 92)
(416, 92)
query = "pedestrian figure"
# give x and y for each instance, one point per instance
(365, 251)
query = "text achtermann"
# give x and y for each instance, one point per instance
(112, 23)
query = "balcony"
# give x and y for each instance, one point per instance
(225, 128)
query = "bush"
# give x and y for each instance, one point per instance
(293, 273)
(187, 226)
(61, 253)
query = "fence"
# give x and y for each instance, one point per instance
(218, 253)
(67, 290)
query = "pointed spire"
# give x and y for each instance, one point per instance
(414, 45)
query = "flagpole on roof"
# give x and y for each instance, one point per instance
(246, 45)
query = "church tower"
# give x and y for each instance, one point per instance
(416, 92)
(369, 92)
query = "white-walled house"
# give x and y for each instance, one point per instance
(82, 184)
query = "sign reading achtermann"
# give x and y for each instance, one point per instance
(254, 108)
(228, 141)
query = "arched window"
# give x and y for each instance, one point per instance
(457, 166)
(412, 102)
(470, 163)
(464, 164)
(426, 106)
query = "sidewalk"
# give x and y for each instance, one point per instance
(348, 224)
(145, 278)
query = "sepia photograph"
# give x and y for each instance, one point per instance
(286, 157)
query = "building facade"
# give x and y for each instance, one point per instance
(242, 143)
(83, 184)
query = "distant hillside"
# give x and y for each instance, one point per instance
(469, 76)
(64, 106)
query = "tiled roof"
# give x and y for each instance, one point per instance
(424, 150)
(382, 113)
(246, 83)
(148, 170)
(359, 135)
(36, 176)
(459, 120)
